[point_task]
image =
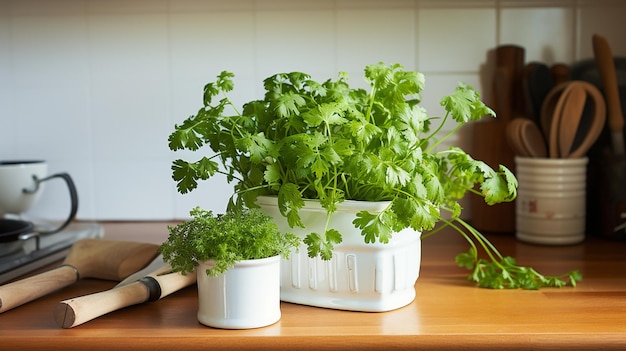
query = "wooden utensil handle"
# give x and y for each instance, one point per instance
(608, 75)
(76, 311)
(22, 291)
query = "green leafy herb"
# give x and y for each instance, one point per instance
(503, 272)
(224, 238)
(506, 274)
(331, 142)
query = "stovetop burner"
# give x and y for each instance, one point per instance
(36, 253)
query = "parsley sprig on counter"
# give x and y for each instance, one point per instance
(331, 142)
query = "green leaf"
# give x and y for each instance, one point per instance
(288, 104)
(379, 74)
(497, 188)
(575, 276)
(466, 259)
(257, 145)
(464, 105)
(333, 236)
(511, 182)
(210, 91)
(328, 113)
(289, 203)
(363, 130)
(225, 81)
(320, 167)
(374, 226)
(316, 245)
(184, 138)
(313, 242)
(426, 216)
(396, 176)
(185, 174)
(326, 251)
(298, 79)
(272, 174)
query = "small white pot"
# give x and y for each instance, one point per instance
(246, 296)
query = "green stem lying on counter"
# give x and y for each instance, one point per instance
(501, 272)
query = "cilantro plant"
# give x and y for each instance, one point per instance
(331, 142)
(226, 239)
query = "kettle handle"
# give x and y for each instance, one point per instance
(73, 198)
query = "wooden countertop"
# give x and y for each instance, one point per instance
(448, 312)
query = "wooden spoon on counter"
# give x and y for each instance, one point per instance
(88, 258)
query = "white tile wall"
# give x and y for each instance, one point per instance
(95, 87)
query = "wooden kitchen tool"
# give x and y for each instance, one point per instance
(573, 122)
(151, 286)
(560, 73)
(593, 129)
(513, 138)
(525, 138)
(537, 84)
(606, 66)
(564, 120)
(511, 59)
(489, 141)
(88, 258)
(548, 107)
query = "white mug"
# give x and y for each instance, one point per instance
(21, 185)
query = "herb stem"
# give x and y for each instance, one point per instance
(439, 141)
(486, 244)
(463, 234)
(368, 114)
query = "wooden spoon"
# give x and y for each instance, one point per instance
(88, 258)
(532, 139)
(525, 138)
(555, 122)
(547, 109)
(513, 138)
(597, 123)
(571, 113)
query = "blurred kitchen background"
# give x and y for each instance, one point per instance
(95, 86)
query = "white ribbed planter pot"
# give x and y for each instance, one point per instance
(360, 277)
(246, 296)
